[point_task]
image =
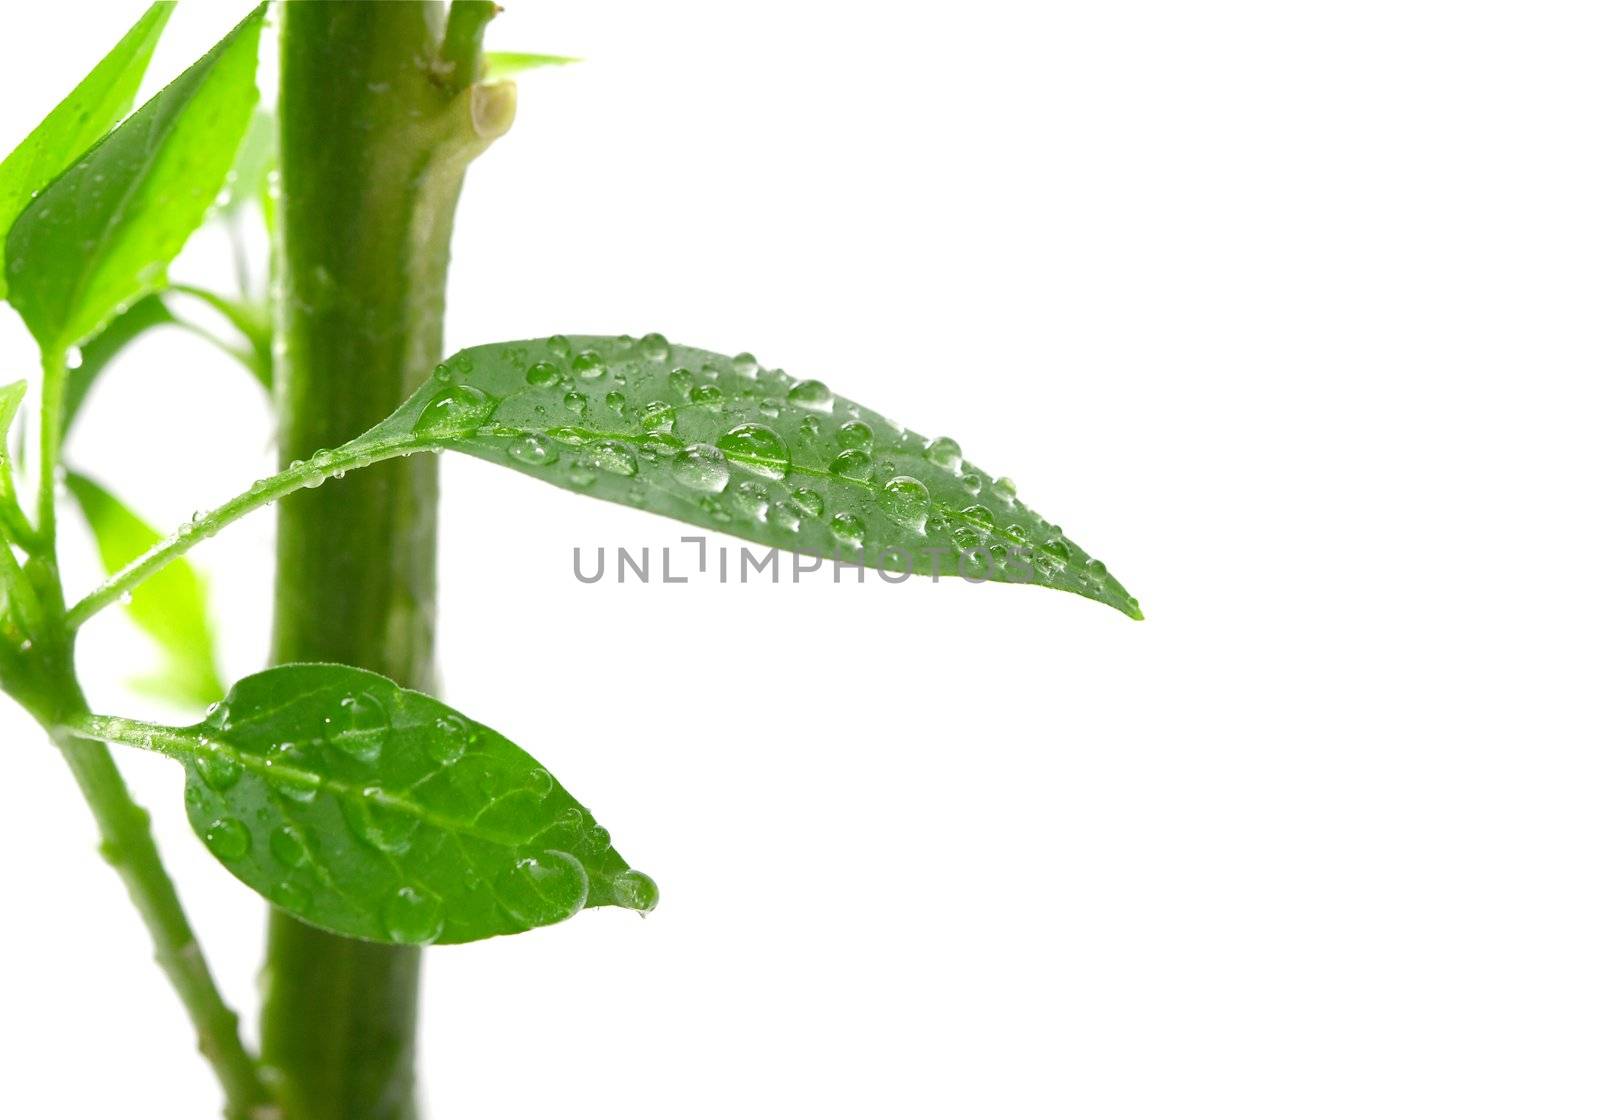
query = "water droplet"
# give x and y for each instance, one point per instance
(769, 407)
(595, 841)
(658, 416)
(378, 823)
(705, 394)
(614, 458)
(945, 453)
(701, 467)
(443, 373)
(785, 515)
(634, 890)
(288, 847)
(654, 347)
(809, 427)
(289, 896)
(576, 402)
(572, 437)
(533, 449)
(1005, 490)
(1097, 569)
(971, 483)
(967, 537)
(808, 501)
(745, 365)
(559, 346)
(616, 402)
(543, 374)
(543, 889)
(906, 501)
(450, 739)
(681, 380)
(414, 917)
(979, 516)
(851, 464)
(227, 838)
(848, 529)
(366, 727)
(758, 448)
(751, 497)
(540, 782)
(589, 365)
(458, 408)
(581, 475)
(218, 768)
(813, 395)
(855, 434)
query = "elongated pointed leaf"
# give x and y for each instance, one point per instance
(97, 103)
(102, 234)
(722, 443)
(498, 65)
(171, 606)
(381, 813)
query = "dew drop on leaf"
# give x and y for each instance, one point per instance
(906, 501)
(681, 380)
(613, 458)
(228, 838)
(745, 365)
(559, 346)
(758, 448)
(288, 847)
(944, 453)
(634, 890)
(706, 394)
(290, 896)
(543, 889)
(847, 529)
(701, 467)
(658, 416)
(449, 740)
(543, 374)
(808, 501)
(589, 365)
(366, 727)
(813, 395)
(1005, 490)
(855, 434)
(854, 464)
(979, 516)
(383, 826)
(536, 450)
(218, 769)
(413, 917)
(457, 408)
(654, 347)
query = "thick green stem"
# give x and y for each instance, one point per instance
(376, 132)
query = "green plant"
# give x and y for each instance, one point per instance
(374, 818)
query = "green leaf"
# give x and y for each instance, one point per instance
(10, 400)
(102, 234)
(257, 156)
(504, 64)
(171, 606)
(722, 443)
(98, 102)
(380, 813)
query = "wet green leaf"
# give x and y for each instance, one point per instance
(171, 606)
(376, 812)
(725, 444)
(102, 234)
(98, 102)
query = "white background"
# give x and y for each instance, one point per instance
(1286, 310)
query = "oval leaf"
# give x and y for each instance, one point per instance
(97, 103)
(725, 444)
(380, 813)
(103, 233)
